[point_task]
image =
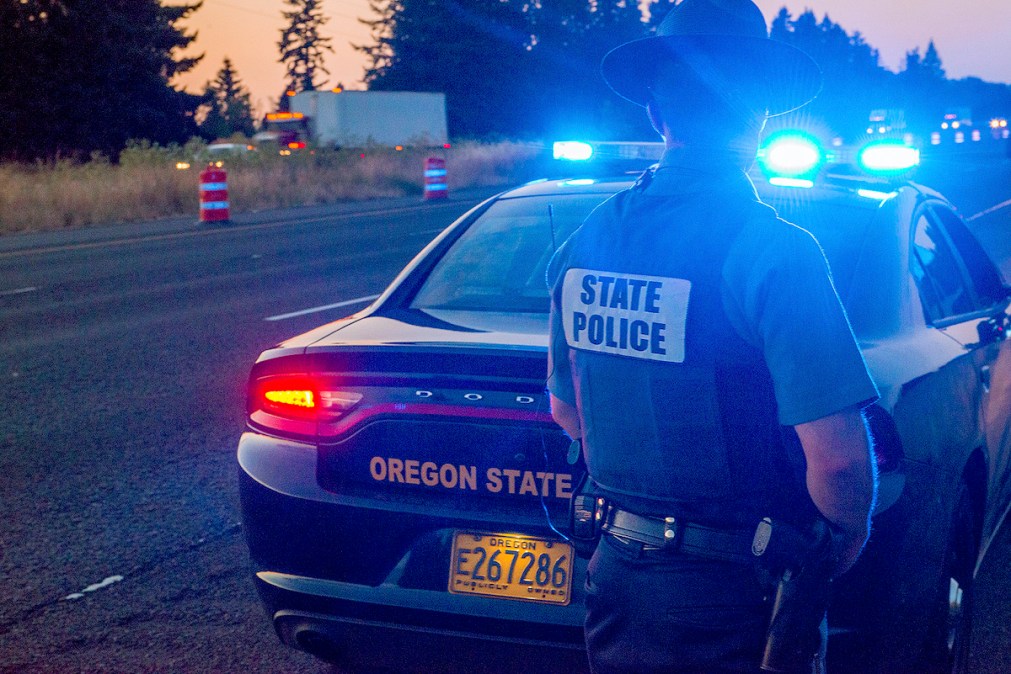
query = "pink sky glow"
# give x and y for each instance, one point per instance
(971, 37)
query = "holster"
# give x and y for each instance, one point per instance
(586, 514)
(803, 562)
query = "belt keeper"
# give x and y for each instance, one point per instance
(671, 532)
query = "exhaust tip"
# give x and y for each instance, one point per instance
(318, 645)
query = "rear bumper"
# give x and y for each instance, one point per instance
(365, 606)
(368, 634)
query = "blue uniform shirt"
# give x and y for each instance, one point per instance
(622, 287)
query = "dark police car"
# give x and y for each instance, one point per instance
(403, 484)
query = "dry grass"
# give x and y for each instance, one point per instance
(146, 185)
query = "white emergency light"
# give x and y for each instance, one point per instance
(888, 157)
(791, 158)
(572, 150)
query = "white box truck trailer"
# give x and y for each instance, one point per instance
(360, 119)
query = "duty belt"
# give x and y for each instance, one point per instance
(676, 535)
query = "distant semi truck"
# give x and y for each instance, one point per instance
(359, 119)
(886, 122)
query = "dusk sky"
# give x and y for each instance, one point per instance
(972, 38)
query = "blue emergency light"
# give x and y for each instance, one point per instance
(791, 158)
(572, 150)
(887, 157)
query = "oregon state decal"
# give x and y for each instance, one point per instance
(626, 314)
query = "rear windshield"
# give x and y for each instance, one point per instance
(499, 263)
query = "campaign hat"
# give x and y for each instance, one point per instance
(725, 43)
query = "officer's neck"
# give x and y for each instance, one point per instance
(717, 152)
(718, 157)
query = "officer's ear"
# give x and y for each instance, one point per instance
(655, 116)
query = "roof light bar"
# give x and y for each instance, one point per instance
(572, 150)
(887, 157)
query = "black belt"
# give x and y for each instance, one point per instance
(675, 535)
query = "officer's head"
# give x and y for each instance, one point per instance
(712, 59)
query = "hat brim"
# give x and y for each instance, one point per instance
(786, 77)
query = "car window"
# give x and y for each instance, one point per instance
(499, 262)
(937, 271)
(984, 276)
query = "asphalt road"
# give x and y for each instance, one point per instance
(123, 358)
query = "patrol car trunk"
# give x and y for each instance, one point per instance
(446, 429)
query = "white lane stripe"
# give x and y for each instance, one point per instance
(1003, 204)
(18, 291)
(93, 588)
(303, 312)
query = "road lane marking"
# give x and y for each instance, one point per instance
(224, 230)
(994, 209)
(93, 588)
(313, 310)
(18, 291)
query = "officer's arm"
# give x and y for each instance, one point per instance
(566, 416)
(841, 476)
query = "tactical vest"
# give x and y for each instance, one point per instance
(679, 413)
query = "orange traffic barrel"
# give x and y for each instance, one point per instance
(213, 195)
(435, 178)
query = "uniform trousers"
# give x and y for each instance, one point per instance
(657, 611)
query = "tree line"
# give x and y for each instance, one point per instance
(518, 68)
(85, 76)
(80, 78)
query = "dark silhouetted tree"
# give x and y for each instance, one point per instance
(931, 62)
(474, 51)
(229, 110)
(924, 89)
(83, 76)
(302, 46)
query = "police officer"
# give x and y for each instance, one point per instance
(700, 353)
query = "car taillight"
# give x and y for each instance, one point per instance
(297, 404)
(299, 399)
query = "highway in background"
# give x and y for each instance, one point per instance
(123, 359)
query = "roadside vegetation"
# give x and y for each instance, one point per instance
(146, 184)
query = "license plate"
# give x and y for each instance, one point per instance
(511, 566)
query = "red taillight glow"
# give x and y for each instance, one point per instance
(306, 399)
(298, 404)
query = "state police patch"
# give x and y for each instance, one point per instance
(626, 314)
